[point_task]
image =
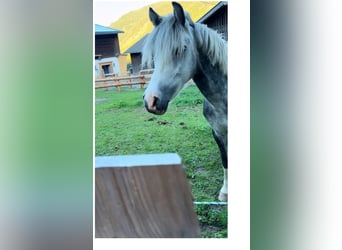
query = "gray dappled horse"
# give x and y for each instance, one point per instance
(180, 50)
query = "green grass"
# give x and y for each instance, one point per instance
(123, 126)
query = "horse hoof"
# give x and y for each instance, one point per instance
(223, 197)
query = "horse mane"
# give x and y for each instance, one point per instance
(213, 45)
(209, 42)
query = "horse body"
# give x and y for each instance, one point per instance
(214, 89)
(180, 50)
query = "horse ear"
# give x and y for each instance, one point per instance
(154, 17)
(178, 12)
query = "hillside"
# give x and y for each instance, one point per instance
(136, 23)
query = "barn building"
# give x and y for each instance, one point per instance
(136, 53)
(217, 18)
(108, 59)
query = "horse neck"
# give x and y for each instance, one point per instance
(211, 77)
(210, 81)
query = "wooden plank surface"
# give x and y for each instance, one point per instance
(137, 160)
(149, 197)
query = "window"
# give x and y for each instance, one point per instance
(106, 69)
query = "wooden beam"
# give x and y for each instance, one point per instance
(116, 81)
(143, 196)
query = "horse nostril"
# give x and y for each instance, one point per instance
(155, 101)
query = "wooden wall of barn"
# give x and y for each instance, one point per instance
(136, 63)
(107, 45)
(219, 21)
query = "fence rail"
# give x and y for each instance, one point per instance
(118, 81)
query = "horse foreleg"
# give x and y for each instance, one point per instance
(223, 196)
(223, 150)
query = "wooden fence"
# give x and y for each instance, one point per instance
(129, 80)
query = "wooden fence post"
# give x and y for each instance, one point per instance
(143, 196)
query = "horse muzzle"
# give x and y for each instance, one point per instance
(155, 105)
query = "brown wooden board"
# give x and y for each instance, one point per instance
(143, 198)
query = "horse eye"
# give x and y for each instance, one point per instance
(178, 52)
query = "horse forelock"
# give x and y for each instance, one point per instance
(167, 40)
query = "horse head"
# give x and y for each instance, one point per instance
(171, 48)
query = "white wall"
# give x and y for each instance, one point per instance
(115, 62)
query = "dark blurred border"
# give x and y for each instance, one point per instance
(296, 122)
(46, 129)
(267, 127)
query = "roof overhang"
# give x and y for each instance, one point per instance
(212, 11)
(102, 30)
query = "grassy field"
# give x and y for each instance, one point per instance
(123, 126)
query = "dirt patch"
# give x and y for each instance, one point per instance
(183, 125)
(151, 118)
(163, 122)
